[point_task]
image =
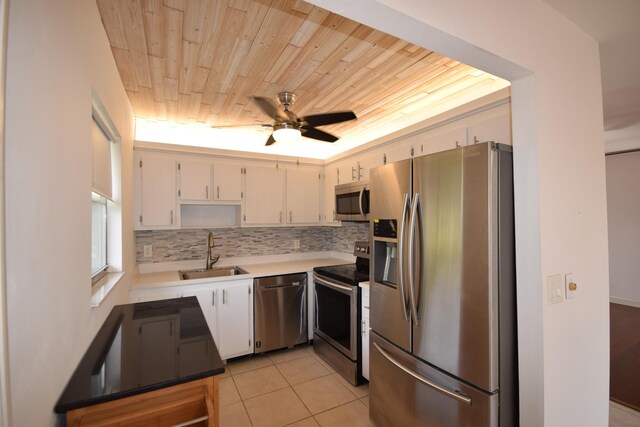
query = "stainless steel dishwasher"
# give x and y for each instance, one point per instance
(280, 311)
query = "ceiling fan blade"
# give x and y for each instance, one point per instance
(270, 108)
(270, 141)
(327, 118)
(314, 133)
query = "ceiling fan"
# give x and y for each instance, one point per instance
(288, 126)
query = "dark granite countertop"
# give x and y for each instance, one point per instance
(140, 348)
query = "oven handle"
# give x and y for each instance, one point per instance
(333, 285)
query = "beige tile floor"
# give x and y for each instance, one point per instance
(289, 388)
(296, 388)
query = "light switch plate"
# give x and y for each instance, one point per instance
(568, 279)
(148, 251)
(555, 289)
(296, 244)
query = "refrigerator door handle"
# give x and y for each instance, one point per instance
(412, 239)
(451, 393)
(403, 294)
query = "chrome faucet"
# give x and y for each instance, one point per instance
(211, 257)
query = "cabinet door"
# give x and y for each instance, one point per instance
(157, 192)
(497, 129)
(440, 140)
(365, 330)
(235, 319)
(227, 182)
(330, 182)
(347, 172)
(368, 162)
(365, 346)
(195, 180)
(264, 195)
(208, 301)
(303, 196)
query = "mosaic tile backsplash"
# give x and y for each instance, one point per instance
(191, 244)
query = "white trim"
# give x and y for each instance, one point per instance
(624, 301)
(5, 392)
(100, 290)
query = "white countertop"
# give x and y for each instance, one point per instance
(170, 278)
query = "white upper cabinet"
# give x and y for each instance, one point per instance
(437, 140)
(329, 199)
(227, 182)
(264, 195)
(303, 195)
(195, 180)
(155, 181)
(496, 129)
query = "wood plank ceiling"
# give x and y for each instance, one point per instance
(188, 61)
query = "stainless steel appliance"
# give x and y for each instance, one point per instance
(443, 341)
(280, 311)
(336, 328)
(352, 201)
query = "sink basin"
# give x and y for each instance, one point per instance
(202, 273)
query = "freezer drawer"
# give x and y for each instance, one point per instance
(405, 391)
(280, 312)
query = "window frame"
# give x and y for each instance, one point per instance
(102, 118)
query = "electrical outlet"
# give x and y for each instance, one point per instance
(148, 251)
(296, 243)
(570, 285)
(555, 287)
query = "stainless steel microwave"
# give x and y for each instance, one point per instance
(352, 201)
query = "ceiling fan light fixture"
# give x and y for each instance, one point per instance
(286, 133)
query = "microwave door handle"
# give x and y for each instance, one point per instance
(403, 222)
(360, 202)
(412, 244)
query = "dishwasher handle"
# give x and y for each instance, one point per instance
(281, 285)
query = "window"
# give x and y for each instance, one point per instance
(102, 190)
(98, 236)
(106, 214)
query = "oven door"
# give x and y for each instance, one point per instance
(336, 315)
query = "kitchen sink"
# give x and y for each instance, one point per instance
(202, 273)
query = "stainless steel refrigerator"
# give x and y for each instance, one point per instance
(443, 320)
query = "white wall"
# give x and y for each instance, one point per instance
(561, 219)
(57, 53)
(623, 204)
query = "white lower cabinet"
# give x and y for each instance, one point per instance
(227, 307)
(235, 319)
(365, 330)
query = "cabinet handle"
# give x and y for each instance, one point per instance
(353, 173)
(218, 189)
(171, 216)
(290, 216)
(334, 214)
(213, 298)
(224, 296)
(359, 171)
(207, 190)
(280, 217)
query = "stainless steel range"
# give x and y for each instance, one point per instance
(336, 327)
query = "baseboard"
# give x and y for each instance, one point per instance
(625, 301)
